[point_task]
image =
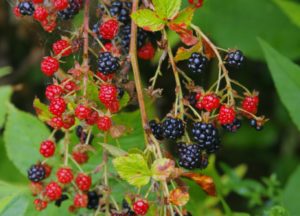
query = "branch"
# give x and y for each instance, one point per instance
(85, 63)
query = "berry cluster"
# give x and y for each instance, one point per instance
(47, 13)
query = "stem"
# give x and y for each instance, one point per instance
(85, 62)
(135, 68)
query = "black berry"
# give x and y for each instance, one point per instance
(189, 155)
(125, 35)
(107, 63)
(70, 11)
(26, 8)
(63, 197)
(156, 129)
(83, 135)
(36, 173)
(93, 200)
(235, 58)
(197, 63)
(173, 128)
(253, 123)
(207, 136)
(121, 10)
(234, 126)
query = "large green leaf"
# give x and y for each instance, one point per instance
(286, 76)
(291, 194)
(148, 20)
(22, 136)
(237, 24)
(291, 9)
(16, 206)
(166, 9)
(5, 93)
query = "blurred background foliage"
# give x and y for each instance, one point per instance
(257, 173)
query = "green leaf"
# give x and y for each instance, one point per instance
(5, 94)
(276, 211)
(5, 71)
(22, 136)
(148, 20)
(16, 206)
(166, 9)
(286, 76)
(185, 16)
(133, 168)
(42, 110)
(113, 150)
(291, 193)
(291, 9)
(184, 54)
(234, 25)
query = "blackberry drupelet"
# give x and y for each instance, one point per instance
(107, 63)
(93, 200)
(207, 136)
(125, 34)
(70, 11)
(253, 123)
(235, 58)
(63, 197)
(233, 127)
(189, 155)
(173, 128)
(26, 8)
(156, 129)
(197, 63)
(36, 173)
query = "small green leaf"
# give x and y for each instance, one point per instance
(5, 94)
(133, 168)
(185, 16)
(41, 110)
(167, 9)
(183, 53)
(286, 76)
(291, 9)
(148, 20)
(22, 136)
(113, 150)
(162, 169)
(5, 71)
(291, 194)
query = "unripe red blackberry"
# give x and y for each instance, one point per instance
(113, 107)
(56, 122)
(250, 105)
(64, 175)
(16, 11)
(47, 148)
(107, 94)
(104, 123)
(57, 106)
(109, 29)
(83, 182)
(53, 191)
(226, 115)
(40, 204)
(80, 200)
(80, 157)
(68, 85)
(53, 91)
(62, 47)
(40, 13)
(82, 112)
(49, 65)
(210, 102)
(60, 4)
(146, 52)
(140, 207)
(68, 121)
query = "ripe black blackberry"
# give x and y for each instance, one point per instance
(253, 123)
(197, 63)
(156, 129)
(93, 200)
(126, 209)
(63, 198)
(36, 173)
(235, 58)
(189, 155)
(125, 35)
(70, 11)
(207, 136)
(26, 8)
(173, 128)
(107, 63)
(121, 10)
(83, 135)
(234, 126)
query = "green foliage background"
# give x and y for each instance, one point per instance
(256, 173)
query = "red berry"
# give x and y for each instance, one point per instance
(56, 122)
(48, 170)
(64, 175)
(104, 123)
(40, 13)
(80, 157)
(226, 115)
(198, 96)
(17, 12)
(40, 204)
(108, 47)
(105, 77)
(60, 4)
(210, 102)
(57, 106)
(49, 65)
(47, 148)
(83, 182)
(37, 1)
(62, 47)
(146, 52)
(140, 207)
(36, 188)
(48, 26)
(114, 106)
(53, 91)
(198, 105)
(92, 118)
(53, 191)
(68, 85)
(250, 104)
(109, 29)
(68, 121)
(82, 112)
(107, 94)
(80, 200)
